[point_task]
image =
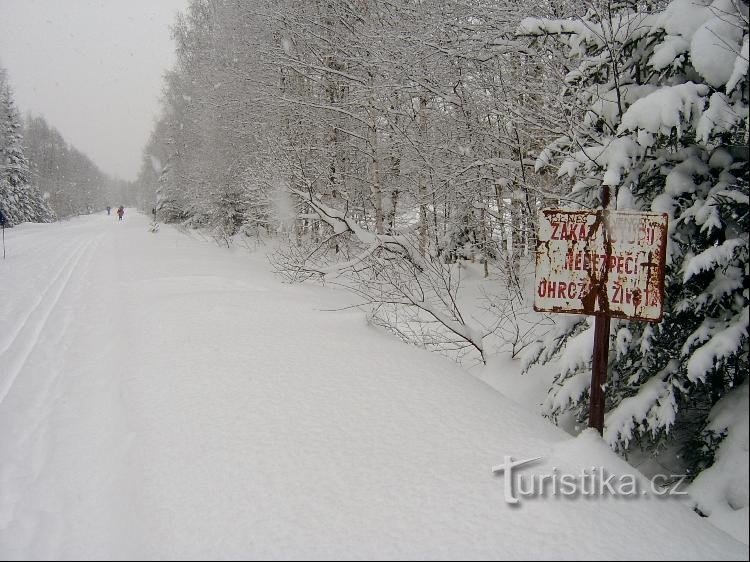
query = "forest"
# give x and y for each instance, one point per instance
(42, 176)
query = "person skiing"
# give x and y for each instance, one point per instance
(120, 212)
(108, 209)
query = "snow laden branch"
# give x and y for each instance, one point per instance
(341, 224)
(412, 295)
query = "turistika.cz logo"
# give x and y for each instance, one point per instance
(594, 482)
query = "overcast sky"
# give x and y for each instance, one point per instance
(92, 68)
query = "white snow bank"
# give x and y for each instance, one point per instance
(721, 490)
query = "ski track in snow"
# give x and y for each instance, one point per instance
(33, 438)
(165, 398)
(36, 318)
(13, 334)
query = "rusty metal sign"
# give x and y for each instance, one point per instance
(601, 262)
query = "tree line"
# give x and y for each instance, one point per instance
(42, 176)
(386, 143)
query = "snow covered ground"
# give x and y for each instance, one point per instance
(164, 398)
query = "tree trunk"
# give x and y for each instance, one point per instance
(422, 195)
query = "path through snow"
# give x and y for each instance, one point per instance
(164, 398)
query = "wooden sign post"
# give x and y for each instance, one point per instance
(609, 264)
(2, 226)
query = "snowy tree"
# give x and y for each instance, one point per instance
(74, 184)
(329, 93)
(439, 153)
(20, 199)
(659, 118)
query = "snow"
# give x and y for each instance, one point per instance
(720, 158)
(712, 32)
(665, 109)
(623, 339)
(740, 65)
(666, 52)
(720, 117)
(581, 33)
(684, 17)
(606, 106)
(575, 357)
(625, 200)
(156, 164)
(655, 402)
(165, 398)
(715, 256)
(680, 179)
(616, 154)
(721, 345)
(727, 280)
(618, 157)
(288, 46)
(716, 44)
(721, 491)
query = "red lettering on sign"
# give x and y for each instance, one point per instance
(636, 297)
(617, 296)
(616, 269)
(646, 235)
(612, 262)
(568, 231)
(623, 295)
(629, 263)
(653, 299)
(582, 261)
(555, 231)
(570, 258)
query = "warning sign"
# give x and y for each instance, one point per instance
(594, 262)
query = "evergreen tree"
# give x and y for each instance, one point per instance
(660, 116)
(20, 200)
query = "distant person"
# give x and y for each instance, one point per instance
(108, 210)
(120, 212)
